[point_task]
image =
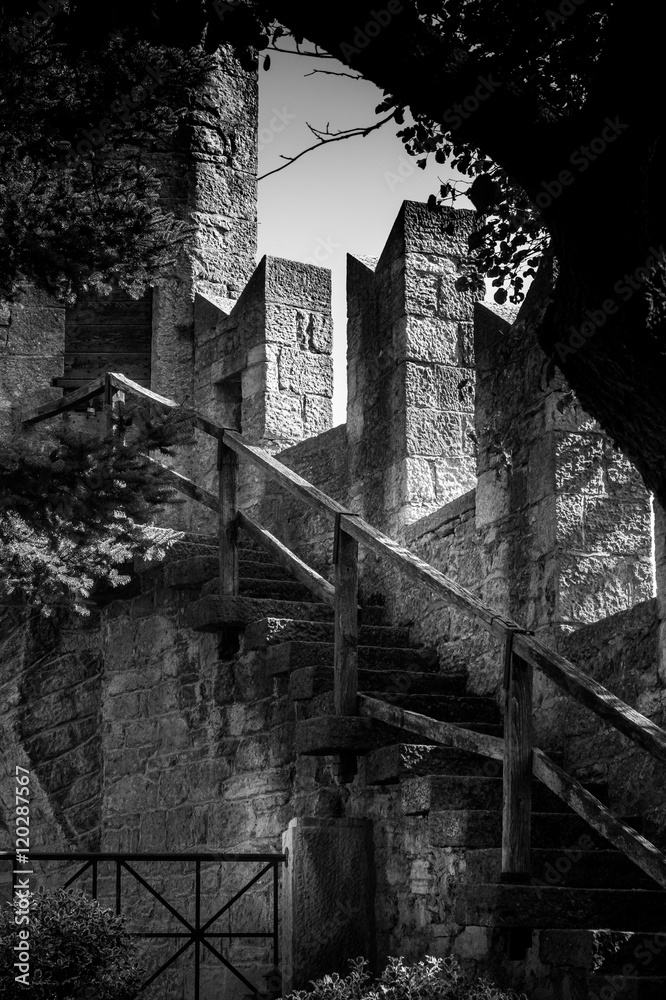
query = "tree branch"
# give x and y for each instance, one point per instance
(324, 137)
(334, 72)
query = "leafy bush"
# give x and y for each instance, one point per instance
(77, 949)
(433, 979)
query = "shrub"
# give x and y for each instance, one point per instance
(77, 950)
(432, 979)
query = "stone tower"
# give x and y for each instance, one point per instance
(209, 179)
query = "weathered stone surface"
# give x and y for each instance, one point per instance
(328, 898)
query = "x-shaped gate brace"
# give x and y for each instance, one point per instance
(197, 934)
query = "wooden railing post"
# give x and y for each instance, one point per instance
(517, 772)
(345, 662)
(108, 405)
(227, 463)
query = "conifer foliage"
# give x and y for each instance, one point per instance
(85, 104)
(75, 509)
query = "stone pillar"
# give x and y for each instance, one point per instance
(411, 371)
(327, 898)
(209, 180)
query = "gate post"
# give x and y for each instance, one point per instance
(328, 911)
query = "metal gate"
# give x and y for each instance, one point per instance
(197, 933)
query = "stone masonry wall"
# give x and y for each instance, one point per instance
(621, 652)
(139, 737)
(410, 371)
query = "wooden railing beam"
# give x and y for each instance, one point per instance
(187, 487)
(644, 854)
(68, 402)
(517, 770)
(345, 654)
(575, 682)
(320, 587)
(227, 464)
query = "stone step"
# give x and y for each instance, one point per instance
(404, 760)
(491, 905)
(627, 987)
(270, 631)
(293, 655)
(391, 685)
(477, 828)
(447, 792)
(574, 864)
(613, 951)
(465, 710)
(281, 590)
(252, 567)
(211, 613)
(329, 734)
(412, 761)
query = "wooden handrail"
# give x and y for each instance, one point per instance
(46, 410)
(353, 530)
(575, 682)
(320, 587)
(643, 853)
(187, 486)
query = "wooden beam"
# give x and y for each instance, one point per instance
(421, 572)
(189, 488)
(227, 463)
(318, 586)
(644, 854)
(291, 481)
(209, 426)
(345, 652)
(46, 410)
(517, 773)
(587, 691)
(593, 695)
(446, 733)
(345, 656)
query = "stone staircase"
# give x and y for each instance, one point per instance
(590, 923)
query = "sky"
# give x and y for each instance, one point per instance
(342, 198)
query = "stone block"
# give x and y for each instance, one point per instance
(433, 432)
(563, 947)
(438, 387)
(299, 285)
(306, 330)
(302, 372)
(580, 463)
